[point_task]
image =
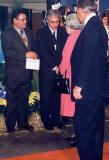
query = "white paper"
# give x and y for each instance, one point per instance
(33, 64)
(56, 6)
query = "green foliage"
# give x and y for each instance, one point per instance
(35, 85)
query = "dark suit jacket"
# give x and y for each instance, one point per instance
(14, 51)
(89, 60)
(45, 49)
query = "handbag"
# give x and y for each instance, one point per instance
(61, 84)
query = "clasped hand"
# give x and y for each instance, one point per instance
(77, 92)
(31, 55)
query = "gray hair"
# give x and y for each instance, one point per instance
(87, 5)
(52, 13)
(72, 21)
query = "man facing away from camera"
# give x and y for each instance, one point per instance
(17, 46)
(89, 76)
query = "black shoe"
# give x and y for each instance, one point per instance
(49, 127)
(10, 130)
(60, 125)
(71, 138)
(73, 143)
(66, 120)
(28, 127)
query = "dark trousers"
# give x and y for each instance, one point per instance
(89, 128)
(49, 103)
(17, 102)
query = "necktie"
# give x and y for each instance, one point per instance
(24, 38)
(54, 40)
(21, 33)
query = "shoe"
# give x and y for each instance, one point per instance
(71, 138)
(49, 127)
(28, 127)
(73, 143)
(67, 120)
(59, 125)
(10, 130)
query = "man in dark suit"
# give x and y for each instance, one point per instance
(50, 41)
(89, 75)
(17, 46)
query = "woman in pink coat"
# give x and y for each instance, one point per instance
(73, 28)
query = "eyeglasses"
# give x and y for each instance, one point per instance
(23, 19)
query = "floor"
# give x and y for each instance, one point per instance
(39, 142)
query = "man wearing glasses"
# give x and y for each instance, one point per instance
(17, 46)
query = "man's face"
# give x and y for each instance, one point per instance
(21, 21)
(53, 22)
(81, 14)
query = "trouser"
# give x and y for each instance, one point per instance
(49, 103)
(89, 128)
(17, 102)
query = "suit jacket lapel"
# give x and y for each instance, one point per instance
(58, 39)
(16, 34)
(48, 40)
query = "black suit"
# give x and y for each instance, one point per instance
(18, 79)
(49, 58)
(89, 70)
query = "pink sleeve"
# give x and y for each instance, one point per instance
(67, 51)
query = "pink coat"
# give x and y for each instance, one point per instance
(67, 106)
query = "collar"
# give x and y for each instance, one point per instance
(89, 17)
(53, 31)
(19, 30)
(106, 29)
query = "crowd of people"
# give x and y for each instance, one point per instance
(74, 43)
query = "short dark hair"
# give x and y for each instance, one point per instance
(103, 15)
(16, 13)
(88, 5)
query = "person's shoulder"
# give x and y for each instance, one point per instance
(95, 20)
(42, 31)
(62, 29)
(96, 23)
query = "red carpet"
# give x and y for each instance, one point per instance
(65, 154)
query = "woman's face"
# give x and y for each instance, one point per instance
(105, 22)
(69, 30)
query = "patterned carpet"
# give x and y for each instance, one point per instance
(64, 154)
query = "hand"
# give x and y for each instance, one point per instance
(77, 92)
(56, 69)
(31, 55)
(61, 71)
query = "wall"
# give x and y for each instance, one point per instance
(104, 4)
(36, 5)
